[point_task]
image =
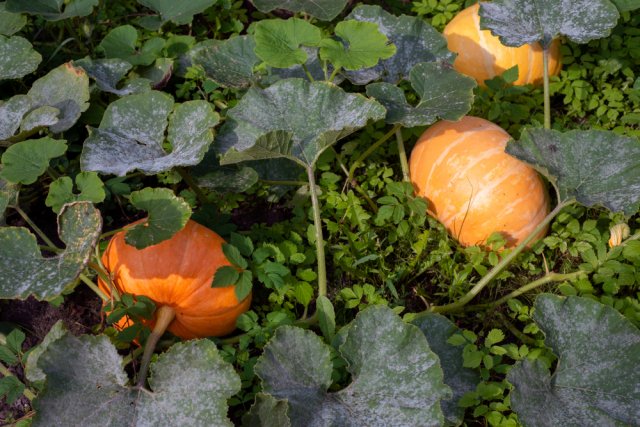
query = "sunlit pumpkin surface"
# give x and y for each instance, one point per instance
(178, 272)
(473, 187)
(482, 56)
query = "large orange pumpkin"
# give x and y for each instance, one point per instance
(482, 56)
(177, 273)
(473, 187)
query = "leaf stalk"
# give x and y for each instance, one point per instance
(317, 222)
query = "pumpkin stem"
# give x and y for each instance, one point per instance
(164, 317)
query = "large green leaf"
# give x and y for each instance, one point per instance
(86, 385)
(324, 10)
(122, 42)
(267, 411)
(438, 329)
(519, 22)
(294, 119)
(179, 12)
(444, 93)
(596, 380)
(23, 270)
(107, 72)
(359, 45)
(8, 196)
(132, 132)
(279, 42)
(17, 57)
(415, 41)
(10, 23)
(52, 10)
(25, 161)
(396, 378)
(594, 167)
(168, 214)
(227, 62)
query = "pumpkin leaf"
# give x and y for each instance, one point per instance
(121, 42)
(179, 12)
(604, 173)
(267, 412)
(438, 329)
(313, 65)
(579, 20)
(55, 100)
(107, 72)
(229, 180)
(229, 62)
(326, 317)
(359, 45)
(52, 10)
(601, 389)
(279, 41)
(8, 195)
(414, 39)
(324, 10)
(626, 5)
(65, 88)
(90, 186)
(23, 270)
(11, 113)
(31, 370)
(167, 215)
(24, 162)
(17, 57)
(293, 119)
(10, 23)
(397, 379)
(444, 93)
(131, 135)
(86, 385)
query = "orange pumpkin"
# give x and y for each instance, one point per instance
(482, 56)
(473, 187)
(177, 274)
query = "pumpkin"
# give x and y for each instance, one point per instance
(177, 274)
(482, 56)
(473, 187)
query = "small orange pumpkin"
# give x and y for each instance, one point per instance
(473, 187)
(177, 274)
(482, 56)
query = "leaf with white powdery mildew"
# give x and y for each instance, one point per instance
(414, 39)
(595, 167)
(10, 23)
(227, 62)
(518, 22)
(397, 379)
(179, 12)
(107, 72)
(293, 119)
(23, 270)
(444, 93)
(86, 385)
(132, 131)
(17, 57)
(168, 214)
(596, 380)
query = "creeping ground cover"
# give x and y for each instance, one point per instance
(327, 213)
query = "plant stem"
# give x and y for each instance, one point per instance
(20, 137)
(456, 306)
(94, 287)
(26, 392)
(402, 153)
(515, 331)
(370, 150)
(322, 267)
(34, 227)
(306, 71)
(292, 183)
(186, 176)
(545, 80)
(164, 317)
(334, 74)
